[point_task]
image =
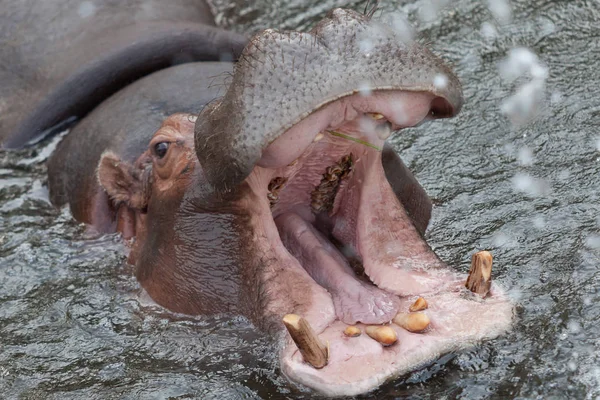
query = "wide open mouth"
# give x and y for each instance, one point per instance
(327, 209)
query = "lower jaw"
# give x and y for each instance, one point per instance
(397, 260)
(359, 364)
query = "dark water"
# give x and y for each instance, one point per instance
(72, 324)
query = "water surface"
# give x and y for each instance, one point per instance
(73, 326)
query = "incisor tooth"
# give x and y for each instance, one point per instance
(313, 351)
(419, 305)
(386, 335)
(414, 322)
(352, 331)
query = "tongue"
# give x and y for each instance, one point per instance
(354, 300)
(394, 255)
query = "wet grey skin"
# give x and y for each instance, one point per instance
(61, 58)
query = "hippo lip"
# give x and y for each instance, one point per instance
(320, 234)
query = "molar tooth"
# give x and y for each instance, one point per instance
(384, 130)
(415, 322)
(419, 305)
(313, 351)
(386, 335)
(352, 331)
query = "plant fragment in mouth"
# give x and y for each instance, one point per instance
(274, 187)
(323, 196)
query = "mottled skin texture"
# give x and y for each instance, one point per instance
(61, 58)
(317, 67)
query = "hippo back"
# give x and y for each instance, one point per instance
(60, 58)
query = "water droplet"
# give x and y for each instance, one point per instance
(400, 26)
(593, 242)
(574, 327)
(440, 81)
(539, 222)
(364, 89)
(488, 31)
(86, 9)
(500, 9)
(529, 185)
(525, 156)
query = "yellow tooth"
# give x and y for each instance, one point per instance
(415, 322)
(419, 305)
(312, 349)
(318, 137)
(480, 274)
(352, 331)
(375, 116)
(386, 335)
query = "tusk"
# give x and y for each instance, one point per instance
(319, 136)
(352, 331)
(386, 335)
(415, 322)
(480, 274)
(419, 305)
(313, 351)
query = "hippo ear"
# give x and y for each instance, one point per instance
(123, 182)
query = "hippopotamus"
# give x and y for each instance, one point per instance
(254, 177)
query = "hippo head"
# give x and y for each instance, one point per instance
(276, 201)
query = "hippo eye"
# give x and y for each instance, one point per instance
(160, 149)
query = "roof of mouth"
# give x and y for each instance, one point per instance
(282, 77)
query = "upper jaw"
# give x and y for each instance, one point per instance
(282, 77)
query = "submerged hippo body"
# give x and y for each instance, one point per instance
(61, 58)
(280, 196)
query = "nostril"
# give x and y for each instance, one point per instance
(440, 108)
